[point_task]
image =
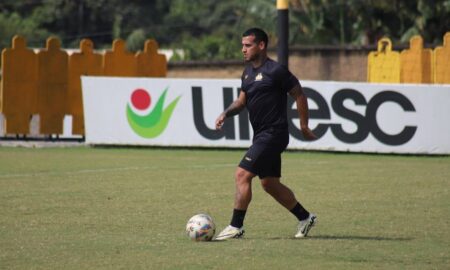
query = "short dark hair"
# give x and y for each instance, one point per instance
(259, 35)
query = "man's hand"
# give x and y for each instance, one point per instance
(219, 121)
(308, 134)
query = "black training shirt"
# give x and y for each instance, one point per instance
(266, 89)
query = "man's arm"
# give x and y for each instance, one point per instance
(235, 107)
(302, 109)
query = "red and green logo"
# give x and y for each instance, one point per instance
(152, 124)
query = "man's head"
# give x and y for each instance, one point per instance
(254, 44)
(259, 34)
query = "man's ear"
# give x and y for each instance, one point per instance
(262, 45)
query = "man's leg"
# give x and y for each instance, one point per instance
(242, 199)
(243, 195)
(286, 197)
(280, 192)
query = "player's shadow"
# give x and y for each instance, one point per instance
(347, 237)
(359, 237)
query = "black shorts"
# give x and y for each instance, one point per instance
(263, 158)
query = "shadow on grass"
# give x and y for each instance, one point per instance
(344, 237)
(358, 237)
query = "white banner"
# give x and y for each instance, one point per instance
(356, 117)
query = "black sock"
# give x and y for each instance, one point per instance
(300, 212)
(238, 218)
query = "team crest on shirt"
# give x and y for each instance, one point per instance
(259, 77)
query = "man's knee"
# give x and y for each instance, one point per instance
(243, 176)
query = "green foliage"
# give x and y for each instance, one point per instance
(211, 48)
(365, 22)
(208, 29)
(13, 24)
(136, 40)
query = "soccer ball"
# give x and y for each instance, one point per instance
(201, 227)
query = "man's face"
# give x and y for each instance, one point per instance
(250, 49)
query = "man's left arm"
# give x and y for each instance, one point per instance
(302, 108)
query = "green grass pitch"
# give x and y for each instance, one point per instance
(126, 208)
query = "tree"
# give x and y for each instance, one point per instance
(364, 22)
(13, 24)
(208, 29)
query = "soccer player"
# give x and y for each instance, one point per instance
(265, 85)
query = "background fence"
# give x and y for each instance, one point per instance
(46, 82)
(413, 65)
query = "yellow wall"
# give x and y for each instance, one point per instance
(48, 83)
(442, 61)
(413, 65)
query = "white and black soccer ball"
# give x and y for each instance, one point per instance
(201, 227)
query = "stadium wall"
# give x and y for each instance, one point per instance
(307, 63)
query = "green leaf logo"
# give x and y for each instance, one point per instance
(153, 124)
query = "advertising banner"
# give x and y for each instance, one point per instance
(346, 116)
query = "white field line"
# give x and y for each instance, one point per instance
(120, 169)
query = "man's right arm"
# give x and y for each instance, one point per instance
(237, 106)
(302, 107)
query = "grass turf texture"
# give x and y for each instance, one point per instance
(84, 208)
